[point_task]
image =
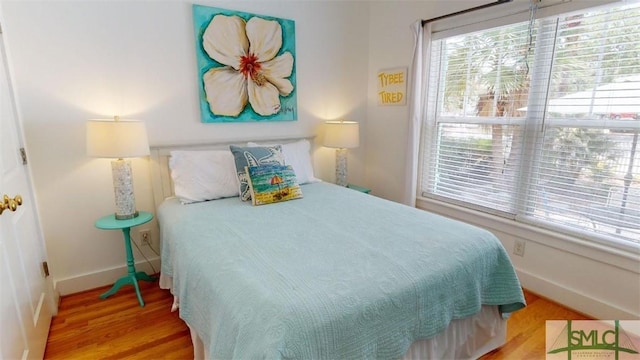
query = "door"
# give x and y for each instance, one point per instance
(26, 301)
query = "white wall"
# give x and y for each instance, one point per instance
(568, 270)
(73, 61)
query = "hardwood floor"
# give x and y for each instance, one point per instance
(526, 328)
(118, 328)
(87, 327)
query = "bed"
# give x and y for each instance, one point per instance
(334, 274)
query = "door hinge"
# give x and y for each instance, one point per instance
(23, 155)
(45, 268)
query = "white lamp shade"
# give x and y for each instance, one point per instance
(342, 134)
(117, 139)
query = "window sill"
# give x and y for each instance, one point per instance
(626, 259)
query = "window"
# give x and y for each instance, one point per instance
(539, 122)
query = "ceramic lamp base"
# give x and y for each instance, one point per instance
(341, 167)
(123, 189)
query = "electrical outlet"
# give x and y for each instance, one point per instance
(518, 247)
(144, 237)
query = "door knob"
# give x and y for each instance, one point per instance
(9, 203)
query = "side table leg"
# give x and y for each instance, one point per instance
(135, 284)
(131, 277)
(131, 269)
(122, 281)
(125, 280)
(141, 275)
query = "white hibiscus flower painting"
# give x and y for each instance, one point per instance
(246, 66)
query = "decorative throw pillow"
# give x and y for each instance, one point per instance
(254, 156)
(298, 155)
(272, 183)
(203, 175)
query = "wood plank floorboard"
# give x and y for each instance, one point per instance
(87, 327)
(526, 329)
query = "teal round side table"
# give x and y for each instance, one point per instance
(109, 222)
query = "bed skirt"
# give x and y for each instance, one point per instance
(467, 338)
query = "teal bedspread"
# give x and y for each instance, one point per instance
(336, 275)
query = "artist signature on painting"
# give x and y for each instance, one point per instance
(285, 110)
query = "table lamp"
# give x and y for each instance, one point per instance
(119, 139)
(341, 135)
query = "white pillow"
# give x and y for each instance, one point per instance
(298, 155)
(203, 175)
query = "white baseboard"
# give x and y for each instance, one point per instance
(100, 278)
(579, 302)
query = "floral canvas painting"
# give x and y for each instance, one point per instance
(246, 66)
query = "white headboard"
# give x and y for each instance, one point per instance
(161, 183)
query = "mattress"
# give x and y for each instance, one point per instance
(337, 274)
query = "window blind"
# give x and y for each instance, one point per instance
(587, 173)
(539, 121)
(478, 123)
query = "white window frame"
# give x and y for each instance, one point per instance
(532, 127)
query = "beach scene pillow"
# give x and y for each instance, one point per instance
(272, 183)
